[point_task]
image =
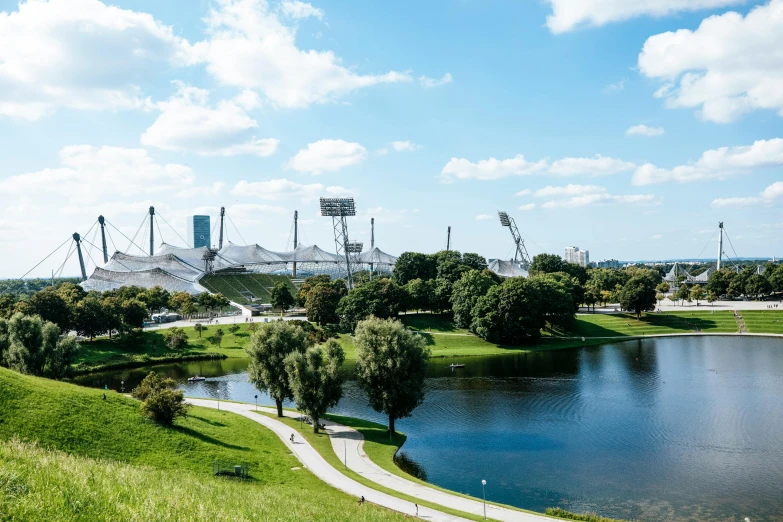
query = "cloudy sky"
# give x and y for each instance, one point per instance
(626, 127)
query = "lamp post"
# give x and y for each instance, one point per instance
(122, 386)
(218, 395)
(484, 490)
(256, 403)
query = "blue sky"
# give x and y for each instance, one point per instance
(629, 128)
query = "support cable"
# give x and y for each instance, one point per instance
(144, 240)
(732, 248)
(88, 253)
(235, 228)
(143, 221)
(112, 241)
(71, 250)
(47, 257)
(708, 244)
(160, 233)
(115, 260)
(174, 230)
(126, 237)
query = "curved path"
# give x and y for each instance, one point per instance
(347, 440)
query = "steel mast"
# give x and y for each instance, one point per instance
(521, 256)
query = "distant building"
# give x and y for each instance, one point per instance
(576, 256)
(607, 263)
(199, 232)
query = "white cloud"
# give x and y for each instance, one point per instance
(716, 164)
(596, 166)
(483, 217)
(568, 15)
(188, 124)
(249, 47)
(80, 54)
(87, 174)
(298, 10)
(573, 196)
(327, 155)
(644, 130)
(276, 189)
(527, 207)
(435, 82)
(208, 190)
(401, 146)
(726, 67)
(769, 196)
(614, 87)
(525, 192)
(656, 236)
(461, 168)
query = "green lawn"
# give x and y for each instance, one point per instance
(245, 288)
(763, 321)
(614, 325)
(144, 471)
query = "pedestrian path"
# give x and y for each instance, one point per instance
(314, 462)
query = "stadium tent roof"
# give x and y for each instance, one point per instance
(377, 256)
(194, 256)
(249, 254)
(102, 280)
(506, 268)
(170, 263)
(309, 254)
(703, 277)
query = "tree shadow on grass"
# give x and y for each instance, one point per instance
(209, 440)
(207, 421)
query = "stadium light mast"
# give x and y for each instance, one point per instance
(448, 239)
(102, 222)
(152, 231)
(521, 256)
(296, 237)
(372, 244)
(339, 209)
(222, 215)
(78, 240)
(720, 244)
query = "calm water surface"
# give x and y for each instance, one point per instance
(667, 429)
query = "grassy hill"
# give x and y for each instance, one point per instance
(764, 321)
(69, 455)
(245, 288)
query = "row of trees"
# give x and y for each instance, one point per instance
(729, 283)
(93, 313)
(391, 366)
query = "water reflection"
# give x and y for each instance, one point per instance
(666, 429)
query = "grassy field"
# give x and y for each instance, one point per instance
(120, 466)
(762, 321)
(615, 325)
(245, 288)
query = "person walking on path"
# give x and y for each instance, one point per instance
(417, 510)
(292, 439)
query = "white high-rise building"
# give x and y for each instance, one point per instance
(576, 256)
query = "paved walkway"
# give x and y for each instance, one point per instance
(348, 441)
(313, 461)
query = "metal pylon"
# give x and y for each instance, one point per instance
(340, 226)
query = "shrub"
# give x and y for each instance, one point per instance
(176, 338)
(161, 402)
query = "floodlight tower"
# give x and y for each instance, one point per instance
(222, 215)
(102, 222)
(720, 244)
(296, 236)
(339, 209)
(520, 255)
(78, 240)
(448, 239)
(372, 244)
(152, 231)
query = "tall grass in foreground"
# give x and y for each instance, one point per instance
(40, 484)
(588, 517)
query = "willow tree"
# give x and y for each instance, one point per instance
(316, 379)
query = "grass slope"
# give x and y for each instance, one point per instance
(616, 325)
(762, 321)
(239, 287)
(163, 464)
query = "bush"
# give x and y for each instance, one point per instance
(176, 338)
(161, 402)
(589, 517)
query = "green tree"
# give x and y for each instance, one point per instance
(391, 364)
(322, 301)
(175, 338)
(474, 261)
(413, 265)
(380, 297)
(155, 299)
(199, 328)
(659, 297)
(557, 297)
(316, 379)
(35, 347)
(207, 301)
(234, 328)
(509, 313)
(134, 313)
(774, 275)
(160, 401)
(547, 263)
(50, 306)
(112, 311)
(421, 294)
(465, 294)
(638, 295)
(182, 302)
(5, 340)
(268, 348)
(308, 284)
(217, 337)
(663, 288)
(282, 298)
(697, 294)
(718, 282)
(71, 293)
(90, 318)
(757, 285)
(684, 293)
(711, 297)
(7, 303)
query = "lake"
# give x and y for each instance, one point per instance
(669, 429)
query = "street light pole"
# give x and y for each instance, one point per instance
(484, 490)
(256, 403)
